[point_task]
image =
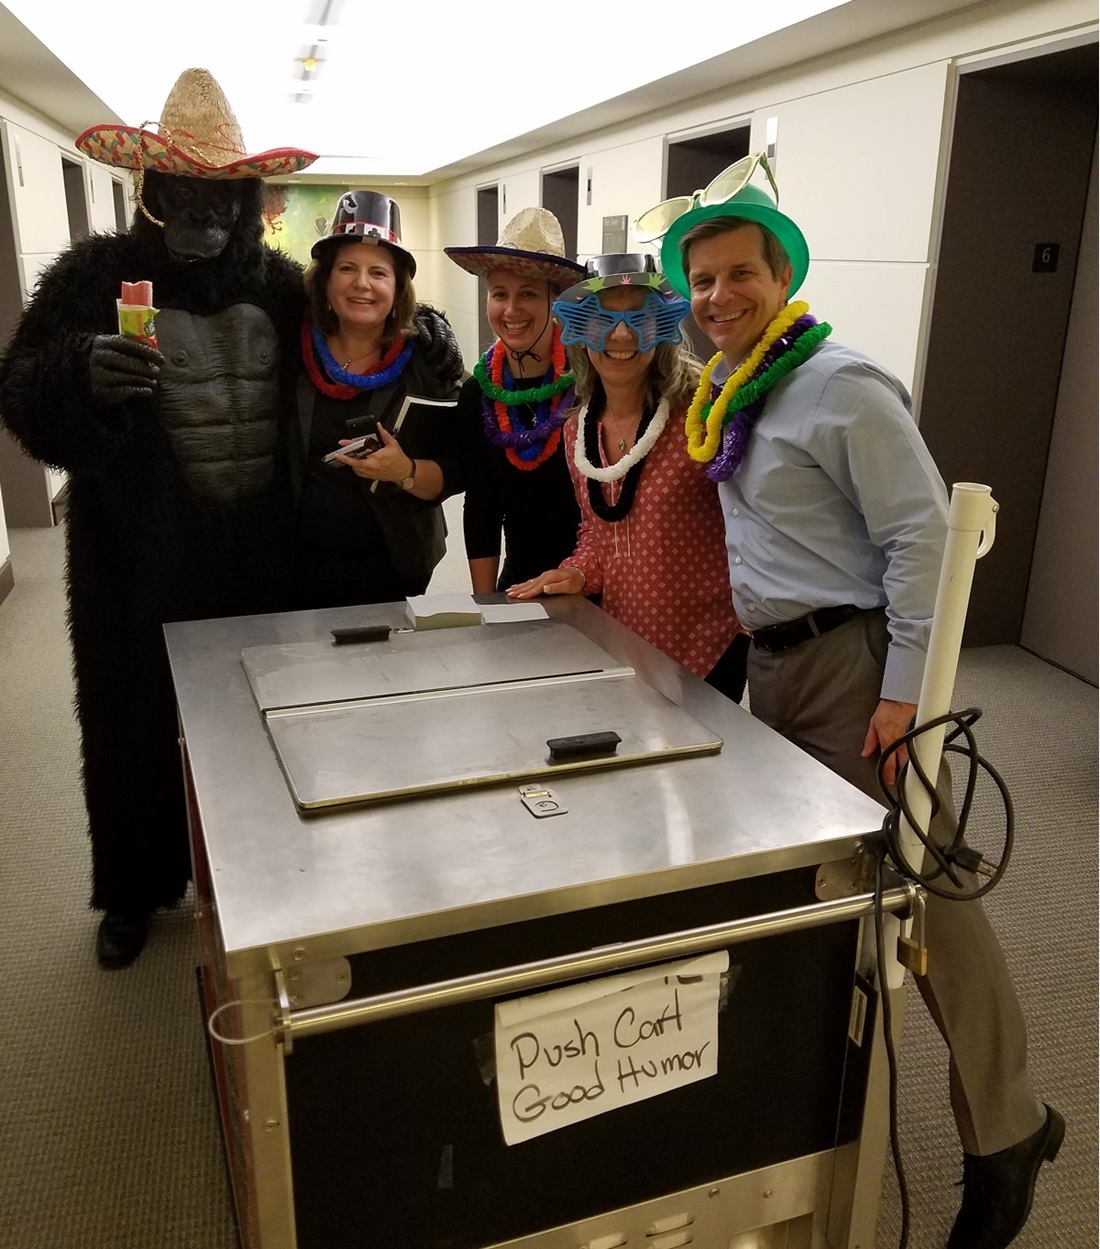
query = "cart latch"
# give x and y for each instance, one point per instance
(541, 801)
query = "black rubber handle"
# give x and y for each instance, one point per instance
(603, 743)
(364, 633)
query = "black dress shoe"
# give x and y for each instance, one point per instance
(998, 1188)
(121, 938)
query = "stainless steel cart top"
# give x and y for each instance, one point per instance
(365, 723)
(355, 878)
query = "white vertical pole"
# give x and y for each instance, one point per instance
(971, 528)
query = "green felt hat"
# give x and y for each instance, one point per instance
(753, 205)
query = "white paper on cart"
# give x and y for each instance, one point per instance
(510, 613)
(571, 1054)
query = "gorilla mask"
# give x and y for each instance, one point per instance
(198, 214)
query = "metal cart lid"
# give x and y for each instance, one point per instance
(419, 713)
(294, 674)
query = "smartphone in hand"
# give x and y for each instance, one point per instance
(358, 449)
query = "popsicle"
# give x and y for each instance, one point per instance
(136, 314)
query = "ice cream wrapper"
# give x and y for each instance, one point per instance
(136, 314)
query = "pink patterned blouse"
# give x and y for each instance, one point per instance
(662, 569)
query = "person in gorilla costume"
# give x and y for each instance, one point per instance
(178, 499)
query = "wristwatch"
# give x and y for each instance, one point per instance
(407, 483)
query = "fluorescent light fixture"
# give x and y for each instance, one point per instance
(320, 12)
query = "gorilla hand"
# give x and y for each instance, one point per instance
(438, 343)
(122, 368)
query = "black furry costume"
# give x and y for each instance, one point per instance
(177, 505)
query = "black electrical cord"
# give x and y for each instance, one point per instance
(957, 855)
(946, 861)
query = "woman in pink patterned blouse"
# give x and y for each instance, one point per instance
(651, 540)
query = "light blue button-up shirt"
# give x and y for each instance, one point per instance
(839, 501)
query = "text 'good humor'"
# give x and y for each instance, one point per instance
(573, 1053)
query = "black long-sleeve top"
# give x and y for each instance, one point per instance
(536, 508)
(362, 546)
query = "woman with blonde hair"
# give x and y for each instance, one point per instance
(651, 541)
(512, 410)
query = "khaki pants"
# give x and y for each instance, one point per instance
(821, 696)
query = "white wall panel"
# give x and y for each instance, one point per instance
(416, 234)
(30, 269)
(625, 179)
(857, 165)
(101, 197)
(520, 189)
(454, 218)
(37, 191)
(416, 227)
(874, 308)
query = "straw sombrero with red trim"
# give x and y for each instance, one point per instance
(531, 244)
(197, 135)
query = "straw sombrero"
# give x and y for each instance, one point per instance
(531, 244)
(197, 135)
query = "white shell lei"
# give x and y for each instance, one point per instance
(637, 453)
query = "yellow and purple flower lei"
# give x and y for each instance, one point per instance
(718, 431)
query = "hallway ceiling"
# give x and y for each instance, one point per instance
(430, 91)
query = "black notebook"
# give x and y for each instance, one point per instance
(420, 415)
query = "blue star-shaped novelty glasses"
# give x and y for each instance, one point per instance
(589, 322)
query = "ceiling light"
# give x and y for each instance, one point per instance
(324, 12)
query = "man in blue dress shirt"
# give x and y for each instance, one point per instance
(835, 521)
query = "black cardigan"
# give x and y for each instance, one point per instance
(358, 545)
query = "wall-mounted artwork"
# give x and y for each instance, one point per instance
(297, 215)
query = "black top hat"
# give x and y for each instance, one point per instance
(615, 263)
(367, 217)
(604, 273)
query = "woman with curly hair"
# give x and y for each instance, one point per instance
(651, 541)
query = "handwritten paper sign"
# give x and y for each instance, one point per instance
(573, 1053)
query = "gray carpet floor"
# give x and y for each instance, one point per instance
(108, 1130)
